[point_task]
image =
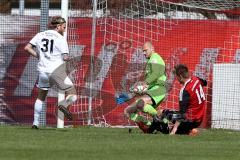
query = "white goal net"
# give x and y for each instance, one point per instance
(193, 32)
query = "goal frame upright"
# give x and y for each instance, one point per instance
(61, 94)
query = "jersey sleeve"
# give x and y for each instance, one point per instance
(184, 101)
(154, 75)
(157, 69)
(203, 81)
(63, 47)
(34, 40)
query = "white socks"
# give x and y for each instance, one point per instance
(38, 106)
(37, 110)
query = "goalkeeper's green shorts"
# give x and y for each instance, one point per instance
(157, 93)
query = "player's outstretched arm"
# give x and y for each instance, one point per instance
(175, 127)
(157, 71)
(31, 51)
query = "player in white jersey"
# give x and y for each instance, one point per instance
(52, 52)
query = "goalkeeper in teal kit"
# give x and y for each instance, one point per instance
(154, 81)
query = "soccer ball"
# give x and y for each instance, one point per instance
(140, 88)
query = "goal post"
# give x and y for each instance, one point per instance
(93, 41)
(61, 94)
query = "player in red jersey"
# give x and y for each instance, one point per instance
(191, 101)
(191, 106)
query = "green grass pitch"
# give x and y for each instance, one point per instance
(90, 143)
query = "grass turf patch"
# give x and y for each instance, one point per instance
(90, 143)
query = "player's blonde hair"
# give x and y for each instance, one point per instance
(55, 21)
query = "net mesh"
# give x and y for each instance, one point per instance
(213, 4)
(183, 31)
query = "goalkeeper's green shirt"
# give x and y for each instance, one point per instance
(155, 70)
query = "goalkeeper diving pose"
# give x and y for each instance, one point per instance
(191, 105)
(52, 53)
(154, 81)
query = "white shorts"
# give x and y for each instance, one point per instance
(46, 80)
